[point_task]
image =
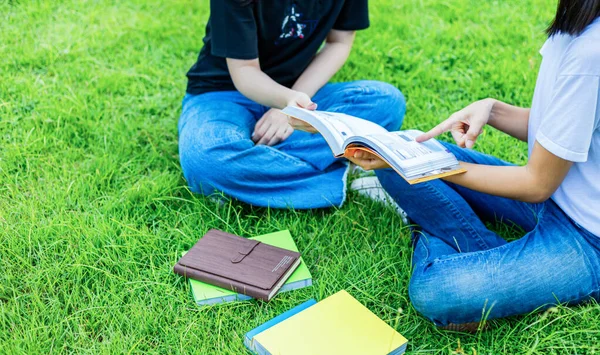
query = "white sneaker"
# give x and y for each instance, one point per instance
(370, 187)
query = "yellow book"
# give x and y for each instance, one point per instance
(337, 325)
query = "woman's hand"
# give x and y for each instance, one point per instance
(366, 160)
(301, 125)
(465, 125)
(300, 99)
(272, 128)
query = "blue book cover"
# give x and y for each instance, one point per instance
(248, 342)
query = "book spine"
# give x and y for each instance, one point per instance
(216, 280)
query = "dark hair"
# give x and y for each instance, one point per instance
(573, 16)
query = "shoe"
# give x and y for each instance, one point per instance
(370, 187)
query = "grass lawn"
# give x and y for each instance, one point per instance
(94, 211)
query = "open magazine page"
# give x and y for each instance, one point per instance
(403, 148)
(335, 127)
(411, 159)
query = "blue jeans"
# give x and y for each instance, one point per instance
(463, 272)
(217, 154)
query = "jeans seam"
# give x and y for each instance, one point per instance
(589, 262)
(508, 313)
(456, 257)
(422, 244)
(345, 185)
(459, 215)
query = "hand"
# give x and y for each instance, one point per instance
(272, 128)
(366, 160)
(465, 125)
(301, 125)
(301, 100)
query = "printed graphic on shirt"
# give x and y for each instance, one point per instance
(294, 26)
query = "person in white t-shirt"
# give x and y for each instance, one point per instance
(464, 272)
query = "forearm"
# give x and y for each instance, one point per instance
(514, 182)
(322, 68)
(509, 119)
(259, 87)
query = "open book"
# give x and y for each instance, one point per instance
(415, 162)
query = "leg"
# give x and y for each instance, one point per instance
(217, 154)
(555, 263)
(371, 100)
(493, 208)
(439, 211)
(452, 213)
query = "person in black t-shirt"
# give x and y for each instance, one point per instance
(260, 56)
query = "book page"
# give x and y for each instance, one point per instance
(412, 160)
(335, 127)
(406, 147)
(347, 126)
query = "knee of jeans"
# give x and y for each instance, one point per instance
(429, 300)
(390, 102)
(205, 162)
(440, 298)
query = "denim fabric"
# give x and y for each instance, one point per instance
(464, 272)
(217, 154)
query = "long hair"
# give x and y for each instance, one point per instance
(573, 16)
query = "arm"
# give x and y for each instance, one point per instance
(509, 119)
(467, 124)
(253, 83)
(534, 182)
(326, 63)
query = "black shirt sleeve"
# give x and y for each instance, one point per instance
(233, 29)
(354, 16)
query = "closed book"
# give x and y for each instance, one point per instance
(242, 265)
(338, 324)
(206, 294)
(249, 337)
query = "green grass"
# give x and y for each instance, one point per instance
(94, 211)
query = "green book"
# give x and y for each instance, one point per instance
(205, 294)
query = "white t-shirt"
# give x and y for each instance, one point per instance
(565, 119)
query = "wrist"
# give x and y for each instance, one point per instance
(494, 111)
(300, 88)
(288, 97)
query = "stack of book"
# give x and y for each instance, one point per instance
(223, 267)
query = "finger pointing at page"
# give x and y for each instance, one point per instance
(435, 131)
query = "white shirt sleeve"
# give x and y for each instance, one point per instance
(571, 118)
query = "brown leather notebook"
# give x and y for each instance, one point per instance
(242, 265)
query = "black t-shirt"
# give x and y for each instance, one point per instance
(283, 34)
